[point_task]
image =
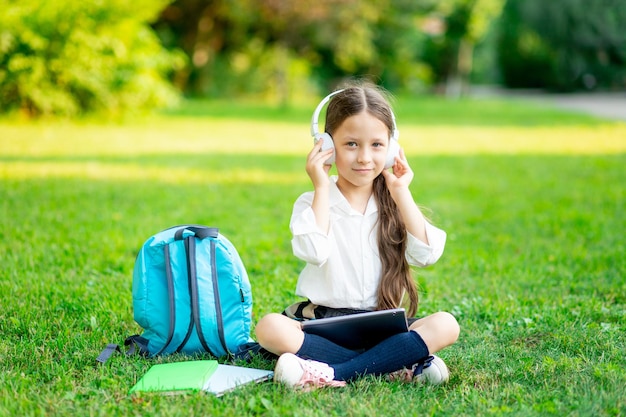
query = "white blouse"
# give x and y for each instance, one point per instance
(343, 268)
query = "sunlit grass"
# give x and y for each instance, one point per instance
(534, 268)
(176, 152)
(427, 127)
(132, 172)
(195, 136)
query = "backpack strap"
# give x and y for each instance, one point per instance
(201, 232)
(218, 305)
(192, 281)
(171, 298)
(138, 345)
(248, 351)
(108, 351)
(190, 246)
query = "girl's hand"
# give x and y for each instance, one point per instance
(315, 167)
(401, 175)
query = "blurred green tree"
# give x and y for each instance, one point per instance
(262, 45)
(563, 45)
(455, 27)
(71, 57)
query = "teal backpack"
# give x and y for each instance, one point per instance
(191, 294)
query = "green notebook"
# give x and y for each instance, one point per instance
(177, 376)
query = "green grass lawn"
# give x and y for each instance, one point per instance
(532, 199)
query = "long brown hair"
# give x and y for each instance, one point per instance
(396, 279)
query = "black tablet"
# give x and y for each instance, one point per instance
(359, 331)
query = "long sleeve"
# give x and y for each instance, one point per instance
(419, 253)
(309, 242)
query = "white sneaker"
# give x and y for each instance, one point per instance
(304, 374)
(433, 371)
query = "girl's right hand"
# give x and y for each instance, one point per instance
(315, 166)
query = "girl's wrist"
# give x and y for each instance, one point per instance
(402, 194)
(321, 188)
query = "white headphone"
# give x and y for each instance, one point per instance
(392, 151)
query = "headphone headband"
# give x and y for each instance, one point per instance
(316, 114)
(318, 109)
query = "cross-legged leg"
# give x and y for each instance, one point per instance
(280, 334)
(439, 330)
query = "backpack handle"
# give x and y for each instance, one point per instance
(201, 232)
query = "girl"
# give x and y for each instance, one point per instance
(358, 232)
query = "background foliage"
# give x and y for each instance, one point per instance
(69, 57)
(292, 44)
(563, 45)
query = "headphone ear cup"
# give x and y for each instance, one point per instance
(326, 145)
(392, 152)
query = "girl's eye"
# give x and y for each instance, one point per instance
(377, 144)
(351, 144)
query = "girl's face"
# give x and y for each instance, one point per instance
(361, 144)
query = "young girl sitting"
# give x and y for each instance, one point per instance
(358, 233)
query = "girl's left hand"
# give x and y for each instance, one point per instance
(401, 175)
